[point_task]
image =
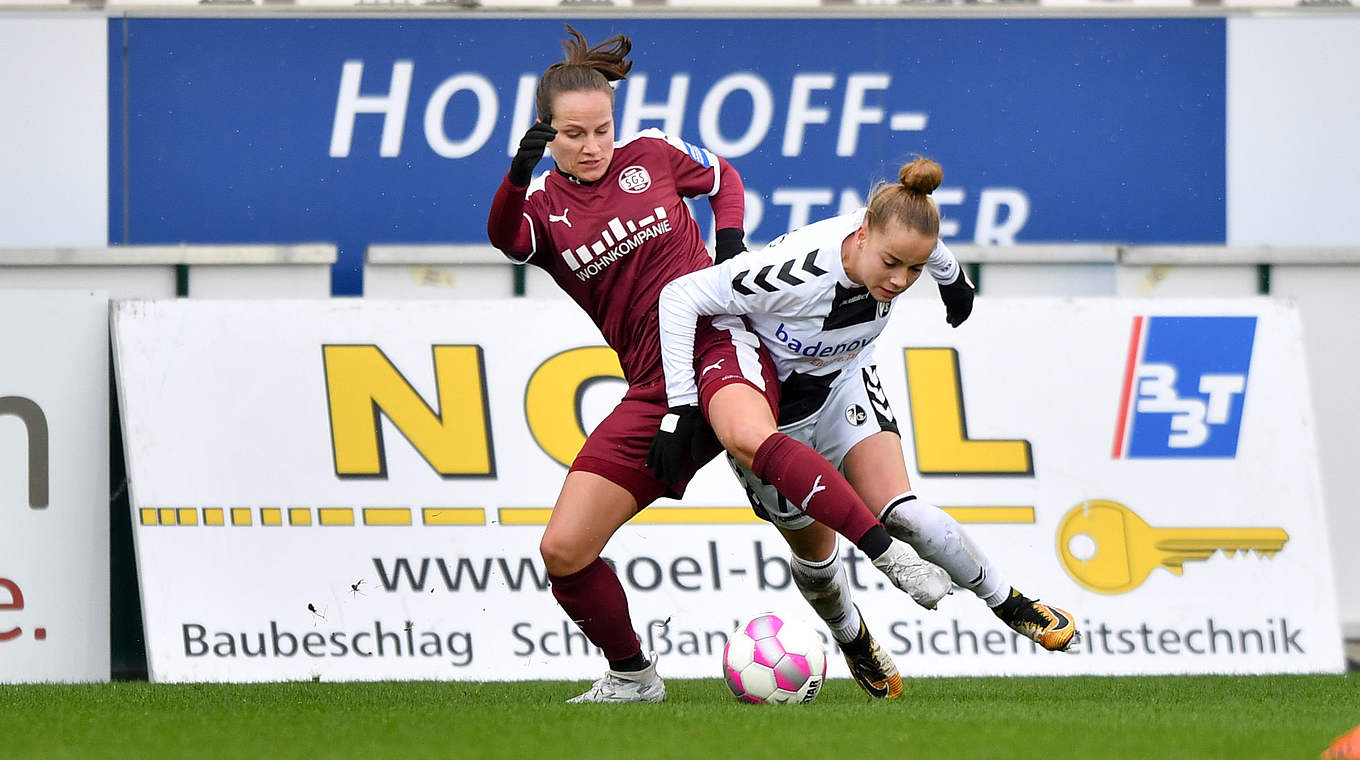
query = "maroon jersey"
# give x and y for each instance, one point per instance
(613, 244)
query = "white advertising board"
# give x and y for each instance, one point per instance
(353, 490)
(54, 486)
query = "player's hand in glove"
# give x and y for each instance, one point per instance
(682, 439)
(531, 147)
(728, 242)
(958, 299)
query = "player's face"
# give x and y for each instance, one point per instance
(887, 261)
(584, 145)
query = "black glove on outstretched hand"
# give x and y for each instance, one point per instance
(531, 148)
(958, 299)
(728, 242)
(682, 438)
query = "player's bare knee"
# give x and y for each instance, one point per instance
(742, 440)
(561, 558)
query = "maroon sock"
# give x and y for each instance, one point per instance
(593, 598)
(810, 483)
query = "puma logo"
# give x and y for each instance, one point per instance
(563, 218)
(714, 365)
(817, 487)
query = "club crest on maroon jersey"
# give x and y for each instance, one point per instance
(634, 179)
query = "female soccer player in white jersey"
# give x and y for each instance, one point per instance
(610, 225)
(818, 297)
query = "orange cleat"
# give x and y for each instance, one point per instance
(1344, 747)
(1049, 627)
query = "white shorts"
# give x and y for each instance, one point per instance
(855, 409)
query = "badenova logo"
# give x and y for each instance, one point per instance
(35, 425)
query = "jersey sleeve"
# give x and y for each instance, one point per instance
(746, 284)
(699, 171)
(510, 225)
(942, 265)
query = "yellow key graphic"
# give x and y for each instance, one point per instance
(1127, 549)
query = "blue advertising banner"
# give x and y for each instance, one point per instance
(386, 130)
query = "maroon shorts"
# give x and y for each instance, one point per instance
(726, 351)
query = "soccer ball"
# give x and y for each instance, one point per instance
(774, 659)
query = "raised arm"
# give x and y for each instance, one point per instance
(507, 226)
(699, 171)
(729, 212)
(955, 290)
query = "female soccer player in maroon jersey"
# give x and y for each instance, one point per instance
(609, 224)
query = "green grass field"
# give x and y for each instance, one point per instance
(1054, 718)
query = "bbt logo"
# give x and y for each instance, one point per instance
(35, 423)
(1185, 387)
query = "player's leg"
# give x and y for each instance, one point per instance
(793, 469)
(738, 393)
(742, 419)
(821, 578)
(587, 512)
(607, 485)
(876, 467)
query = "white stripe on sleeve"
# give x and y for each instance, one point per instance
(942, 264)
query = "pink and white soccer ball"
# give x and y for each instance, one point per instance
(774, 659)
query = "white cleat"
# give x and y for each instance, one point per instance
(641, 686)
(927, 583)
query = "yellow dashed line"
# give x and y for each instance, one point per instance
(524, 515)
(695, 515)
(652, 516)
(387, 516)
(991, 514)
(302, 516)
(336, 515)
(453, 516)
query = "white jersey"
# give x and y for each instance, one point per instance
(814, 320)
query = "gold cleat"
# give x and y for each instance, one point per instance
(874, 670)
(1049, 627)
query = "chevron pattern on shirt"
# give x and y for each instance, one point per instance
(744, 282)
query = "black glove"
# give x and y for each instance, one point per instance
(727, 243)
(682, 439)
(958, 299)
(530, 151)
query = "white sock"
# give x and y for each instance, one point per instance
(827, 589)
(939, 538)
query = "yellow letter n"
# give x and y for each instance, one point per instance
(362, 383)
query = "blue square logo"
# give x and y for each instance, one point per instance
(1185, 387)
